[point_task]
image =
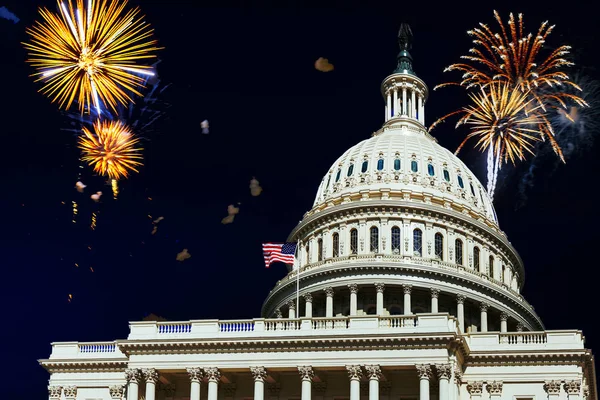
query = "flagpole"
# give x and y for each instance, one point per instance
(298, 280)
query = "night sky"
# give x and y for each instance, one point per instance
(248, 68)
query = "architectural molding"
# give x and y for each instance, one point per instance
(552, 387)
(258, 373)
(573, 387)
(117, 392)
(306, 372)
(354, 372)
(54, 392)
(150, 375)
(196, 374)
(424, 371)
(212, 374)
(444, 371)
(475, 388)
(494, 388)
(133, 375)
(373, 372)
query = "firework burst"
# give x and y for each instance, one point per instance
(90, 52)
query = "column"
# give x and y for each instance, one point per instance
(355, 374)
(413, 107)
(424, 371)
(214, 376)
(374, 373)
(291, 309)
(70, 392)
(503, 319)
(404, 108)
(54, 392)
(117, 392)
(457, 381)
(434, 300)
(494, 388)
(259, 374)
(573, 389)
(379, 287)
(395, 108)
(444, 371)
(460, 312)
(389, 105)
(407, 307)
(151, 377)
(306, 374)
(329, 302)
(553, 389)
(353, 299)
(132, 376)
(196, 374)
(475, 389)
(483, 307)
(308, 302)
(419, 107)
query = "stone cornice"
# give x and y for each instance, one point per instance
(53, 366)
(532, 357)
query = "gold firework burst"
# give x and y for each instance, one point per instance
(90, 53)
(111, 149)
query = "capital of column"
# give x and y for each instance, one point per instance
(460, 299)
(308, 297)
(353, 288)
(407, 289)
(70, 392)
(494, 388)
(259, 373)
(484, 307)
(354, 372)
(475, 388)
(379, 287)
(520, 327)
(424, 371)
(150, 375)
(132, 375)
(291, 305)
(458, 374)
(552, 387)
(444, 371)
(54, 392)
(373, 371)
(213, 374)
(328, 291)
(435, 293)
(196, 374)
(585, 391)
(503, 316)
(306, 372)
(572, 387)
(117, 392)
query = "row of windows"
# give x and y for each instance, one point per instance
(417, 247)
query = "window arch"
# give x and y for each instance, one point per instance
(472, 189)
(446, 175)
(335, 238)
(414, 166)
(365, 166)
(350, 169)
(353, 241)
(397, 164)
(458, 250)
(492, 266)
(476, 258)
(337, 176)
(380, 164)
(430, 169)
(439, 246)
(396, 240)
(328, 181)
(320, 250)
(460, 182)
(374, 235)
(503, 273)
(418, 242)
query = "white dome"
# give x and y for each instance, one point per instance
(387, 162)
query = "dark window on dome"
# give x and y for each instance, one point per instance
(374, 239)
(353, 241)
(439, 246)
(447, 175)
(481, 196)
(397, 164)
(336, 244)
(503, 273)
(328, 180)
(350, 169)
(430, 169)
(418, 242)
(380, 164)
(365, 166)
(476, 258)
(414, 166)
(337, 177)
(492, 266)
(396, 240)
(472, 189)
(307, 253)
(458, 250)
(460, 182)
(320, 250)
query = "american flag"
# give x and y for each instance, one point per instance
(283, 252)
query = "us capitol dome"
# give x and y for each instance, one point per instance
(404, 288)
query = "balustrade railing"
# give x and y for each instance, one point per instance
(398, 321)
(330, 323)
(97, 347)
(523, 338)
(282, 324)
(236, 326)
(176, 327)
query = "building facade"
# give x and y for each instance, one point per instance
(408, 290)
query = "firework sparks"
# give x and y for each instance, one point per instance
(89, 53)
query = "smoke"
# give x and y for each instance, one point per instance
(4, 13)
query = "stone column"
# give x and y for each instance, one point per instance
(70, 392)
(355, 373)
(374, 374)
(573, 389)
(329, 302)
(419, 107)
(407, 307)
(379, 287)
(404, 108)
(457, 381)
(353, 299)
(214, 376)
(291, 309)
(308, 303)
(117, 392)
(306, 374)
(389, 105)
(151, 377)
(395, 108)
(483, 307)
(494, 388)
(434, 300)
(196, 374)
(553, 389)
(54, 392)
(460, 311)
(424, 371)
(413, 104)
(475, 389)
(132, 376)
(444, 372)
(259, 374)
(503, 323)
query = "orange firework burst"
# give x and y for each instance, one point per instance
(90, 53)
(111, 150)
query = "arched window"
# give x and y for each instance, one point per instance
(430, 169)
(328, 180)
(374, 239)
(336, 244)
(439, 246)
(414, 166)
(492, 266)
(418, 242)
(380, 164)
(365, 166)
(397, 164)
(396, 240)
(337, 176)
(353, 241)
(446, 175)
(476, 258)
(458, 250)
(320, 250)
(472, 189)
(460, 182)
(350, 169)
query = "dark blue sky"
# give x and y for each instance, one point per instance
(247, 67)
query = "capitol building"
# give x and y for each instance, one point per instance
(408, 290)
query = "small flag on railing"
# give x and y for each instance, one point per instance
(283, 252)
